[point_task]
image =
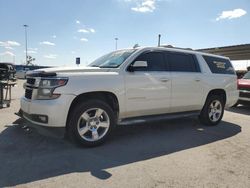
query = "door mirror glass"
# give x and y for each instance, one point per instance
(140, 64)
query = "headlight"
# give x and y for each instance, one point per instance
(48, 85)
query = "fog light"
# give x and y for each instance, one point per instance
(42, 118)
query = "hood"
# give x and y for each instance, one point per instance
(64, 70)
(244, 83)
(75, 69)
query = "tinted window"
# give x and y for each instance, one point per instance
(155, 61)
(219, 65)
(180, 62)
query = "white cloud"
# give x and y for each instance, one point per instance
(9, 48)
(86, 30)
(8, 53)
(73, 52)
(53, 36)
(83, 31)
(9, 43)
(31, 52)
(91, 30)
(78, 22)
(84, 40)
(47, 43)
(50, 56)
(231, 14)
(145, 6)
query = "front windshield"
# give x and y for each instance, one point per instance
(113, 59)
(247, 75)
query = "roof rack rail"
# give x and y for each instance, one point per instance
(170, 46)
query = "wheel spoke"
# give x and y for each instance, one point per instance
(83, 130)
(214, 117)
(212, 105)
(85, 116)
(95, 135)
(218, 111)
(217, 104)
(210, 114)
(98, 112)
(104, 124)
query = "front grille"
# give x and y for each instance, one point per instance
(244, 94)
(28, 93)
(244, 88)
(31, 81)
(30, 84)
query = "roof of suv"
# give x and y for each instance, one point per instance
(180, 50)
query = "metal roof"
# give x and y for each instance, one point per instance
(237, 52)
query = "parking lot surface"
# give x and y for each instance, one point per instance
(176, 153)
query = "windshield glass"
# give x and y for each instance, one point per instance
(247, 75)
(112, 60)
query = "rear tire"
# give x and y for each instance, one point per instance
(212, 111)
(91, 123)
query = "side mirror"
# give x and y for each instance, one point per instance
(140, 64)
(137, 65)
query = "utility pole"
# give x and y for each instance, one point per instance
(116, 41)
(159, 40)
(26, 50)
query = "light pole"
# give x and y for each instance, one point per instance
(116, 41)
(26, 51)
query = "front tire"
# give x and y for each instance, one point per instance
(91, 123)
(236, 104)
(212, 111)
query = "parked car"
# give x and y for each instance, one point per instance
(7, 71)
(21, 70)
(132, 84)
(244, 88)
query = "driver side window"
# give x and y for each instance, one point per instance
(155, 61)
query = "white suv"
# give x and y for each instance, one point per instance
(131, 84)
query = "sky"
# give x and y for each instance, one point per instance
(61, 30)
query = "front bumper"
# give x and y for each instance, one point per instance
(53, 132)
(244, 95)
(48, 113)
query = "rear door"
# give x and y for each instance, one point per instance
(187, 83)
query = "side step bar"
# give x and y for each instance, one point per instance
(144, 119)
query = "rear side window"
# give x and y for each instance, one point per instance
(219, 65)
(155, 61)
(180, 62)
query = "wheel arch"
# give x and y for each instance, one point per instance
(106, 96)
(219, 92)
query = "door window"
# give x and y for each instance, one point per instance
(180, 62)
(155, 62)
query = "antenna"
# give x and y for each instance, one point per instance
(159, 40)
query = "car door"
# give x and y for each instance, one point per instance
(187, 84)
(148, 89)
